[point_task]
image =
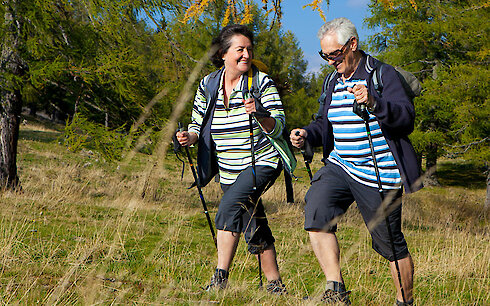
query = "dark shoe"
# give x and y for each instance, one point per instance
(332, 297)
(336, 293)
(219, 280)
(276, 287)
(409, 303)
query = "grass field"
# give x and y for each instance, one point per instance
(80, 233)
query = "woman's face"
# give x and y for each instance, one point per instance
(238, 57)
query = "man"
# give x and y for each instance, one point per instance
(349, 172)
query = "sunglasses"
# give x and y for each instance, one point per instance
(336, 55)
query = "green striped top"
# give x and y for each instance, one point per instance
(230, 127)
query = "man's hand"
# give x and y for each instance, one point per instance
(297, 137)
(186, 139)
(361, 95)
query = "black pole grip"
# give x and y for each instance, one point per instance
(307, 162)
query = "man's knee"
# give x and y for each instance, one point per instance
(390, 243)
(385, 250)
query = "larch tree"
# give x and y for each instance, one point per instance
(12, 69)
(62, 53)
(446, 44)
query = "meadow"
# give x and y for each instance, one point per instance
(80, 232)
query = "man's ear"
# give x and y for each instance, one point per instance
(354, 45)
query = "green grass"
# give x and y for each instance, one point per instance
(80, 233)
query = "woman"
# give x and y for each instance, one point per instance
(240, 209)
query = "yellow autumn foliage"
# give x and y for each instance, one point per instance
(315, 5)
(247, 12)
(232, 9)
(414, 4)
(226, 18)
(389, 4)
(196, 9)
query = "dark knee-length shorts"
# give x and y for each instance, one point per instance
(237, 211)
(332, 192)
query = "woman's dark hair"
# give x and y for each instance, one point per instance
(223, 41)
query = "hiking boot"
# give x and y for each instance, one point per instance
(219, 280)
(336, 293)
(333, 297)
(408, 303)
(276, 287)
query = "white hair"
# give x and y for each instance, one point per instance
(343, 27)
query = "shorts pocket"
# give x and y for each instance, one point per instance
(318, 175)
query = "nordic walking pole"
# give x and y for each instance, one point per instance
(254, 176)
(365, 117)
(250, 121)
(198, 185)
(307, 163)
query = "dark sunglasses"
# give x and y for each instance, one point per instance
(336, 55)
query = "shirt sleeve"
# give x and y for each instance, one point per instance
(317, 127)
(271, 101)
(393, 108)
(198, 108)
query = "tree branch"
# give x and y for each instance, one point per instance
(466, 147)
(166, 36)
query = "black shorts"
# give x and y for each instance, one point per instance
(332, 192)
(237, 212)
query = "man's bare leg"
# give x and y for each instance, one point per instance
(326, 248)
(269, 264)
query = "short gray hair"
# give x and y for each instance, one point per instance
(343, 27)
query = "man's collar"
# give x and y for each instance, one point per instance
(358, 73)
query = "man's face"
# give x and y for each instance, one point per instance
(344, 61)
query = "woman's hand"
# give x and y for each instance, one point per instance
(186, 139)
(267, 123)
(249, 106)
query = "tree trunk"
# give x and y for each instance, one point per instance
(33, 110)
(9, 134)
(10, 97)
(419, 160)
(430, 166)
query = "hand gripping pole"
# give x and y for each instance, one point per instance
(307, 163)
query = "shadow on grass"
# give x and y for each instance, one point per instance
(41, 136)
(452, 173)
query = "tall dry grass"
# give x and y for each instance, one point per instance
(81, 232)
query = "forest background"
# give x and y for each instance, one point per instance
(119, 74)
(110, 62)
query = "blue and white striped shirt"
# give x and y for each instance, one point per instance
(351, 146)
